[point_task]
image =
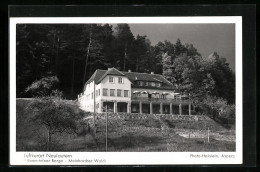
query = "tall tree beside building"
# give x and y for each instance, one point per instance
(165, 52)
(95, 39)
(191, 77)
(70, 51)
(33, 54)
(222, 75)
(179, 48)
(168, 69)
(139, 55)
(124, 40)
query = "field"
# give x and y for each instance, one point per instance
(129, 133)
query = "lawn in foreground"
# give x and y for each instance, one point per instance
(144, 139)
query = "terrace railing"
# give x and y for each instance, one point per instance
(170, 100)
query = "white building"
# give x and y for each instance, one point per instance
(131, 92)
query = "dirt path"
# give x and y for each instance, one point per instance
(203, 134)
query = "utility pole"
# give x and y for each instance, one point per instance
(85, 70)
(106, 126)
(125, 58)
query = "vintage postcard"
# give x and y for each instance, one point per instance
(125, 90)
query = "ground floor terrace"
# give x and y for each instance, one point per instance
(178, 108)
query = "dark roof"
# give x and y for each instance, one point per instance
(134, 76)
(99, 75)
(96, 76)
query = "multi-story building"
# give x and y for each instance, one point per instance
(132, 92)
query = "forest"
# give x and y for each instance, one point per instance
(70, 53)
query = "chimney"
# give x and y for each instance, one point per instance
(129, 70)
(152, 72)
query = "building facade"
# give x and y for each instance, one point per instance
(132, 92)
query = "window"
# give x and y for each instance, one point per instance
(120, 80)
(111, 79)
(158, 84)
(153, 83)
(146, 83)
(112, 92)
(92, 95)
(99, 92)
(125, 93)
(104, 92)
(140, 83)
(119, 93)
(96, 93)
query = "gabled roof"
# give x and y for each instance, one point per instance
(110, 71)
(114, 71)
(99, 75)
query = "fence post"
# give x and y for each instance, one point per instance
(208, 135)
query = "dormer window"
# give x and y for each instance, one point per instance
(153, 84)
(146, 83)
(111, 79)
(140, 83)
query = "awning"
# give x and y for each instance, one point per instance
(144, 92)
(155, 92)
(165, 93)
(136, 92)
(176, 93)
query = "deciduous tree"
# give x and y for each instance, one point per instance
(56, 116)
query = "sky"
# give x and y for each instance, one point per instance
(206, 38)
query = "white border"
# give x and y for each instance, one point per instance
(130, 158)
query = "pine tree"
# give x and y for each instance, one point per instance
(179, 48)
(124, 39)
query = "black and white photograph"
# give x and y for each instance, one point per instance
(134, 87)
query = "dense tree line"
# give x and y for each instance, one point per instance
(72, 52)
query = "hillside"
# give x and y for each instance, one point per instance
(128, 132)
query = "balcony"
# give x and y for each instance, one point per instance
(169, 100)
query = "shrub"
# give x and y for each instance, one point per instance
(46, 86)
(229, 114)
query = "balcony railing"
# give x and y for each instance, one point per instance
(170, 100)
